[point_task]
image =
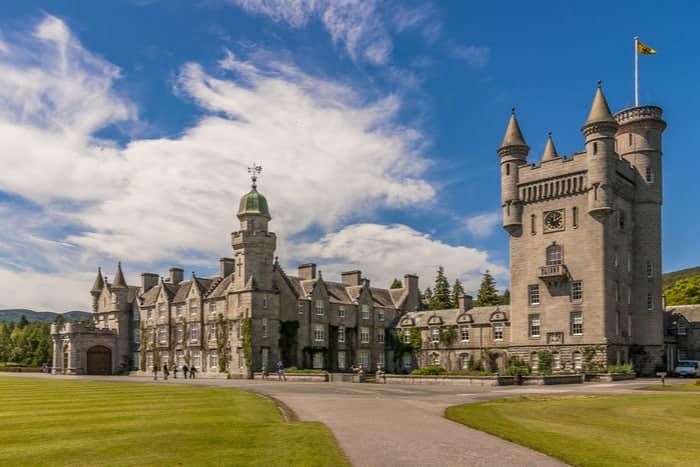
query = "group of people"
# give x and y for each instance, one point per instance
(188, 372)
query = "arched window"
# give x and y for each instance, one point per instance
(554, 255)
(556, 361)
(464, 361)
(435, 359)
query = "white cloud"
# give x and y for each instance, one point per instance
(478, 57)
(383, 252)
(483, 225)
(361, 26)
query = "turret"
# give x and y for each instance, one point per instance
(119, 290)
(550, 152)
(513, 154)
(599, 133)
(253, 245)
(96, 290)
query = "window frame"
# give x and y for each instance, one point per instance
(576, 291)
(364, 335)
(497, 331)
(576, 323)
(464, 329)
(533, 295)
(534, 325)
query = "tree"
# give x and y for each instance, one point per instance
(396, 284)
(488, 295)
(457, 292)
(685, 291)
(5, 342)
(442, 298)
(428, 296)
(505, 298)
(22, 322)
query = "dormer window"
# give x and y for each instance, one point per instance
(365, 311)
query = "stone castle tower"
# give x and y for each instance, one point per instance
(585, 241)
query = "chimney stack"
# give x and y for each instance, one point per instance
(226, 267)
(351, 278)
(148, 281)
(466, 302)
(176, 275)
(307, 271)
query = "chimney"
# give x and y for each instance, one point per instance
(307, 271)
(148, 281)
(226, 266)
(176, 275)
(465, 302)
(410, 282)
(365, 282)
(351, 278)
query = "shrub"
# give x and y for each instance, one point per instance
(697, 382)
(516, 367)
(305, 371)
(544, 362)
(626, 369)
(470, 373)
(431, 370)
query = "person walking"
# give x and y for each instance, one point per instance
(174, 371)
(184, 370)
(193, 370)
(165, 371)
(155, 372)
(280, 371)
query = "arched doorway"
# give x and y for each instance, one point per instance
(99, 360)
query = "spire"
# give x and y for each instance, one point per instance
(550, 152)
(600, 112)
(513, 136)
(119, 282)
(254, 171)
(99, 283)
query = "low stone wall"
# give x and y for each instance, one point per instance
(448, 380)
(296, 377)
(553, 379)
(609, 377)
(198, 375)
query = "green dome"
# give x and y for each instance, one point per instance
(254, 203)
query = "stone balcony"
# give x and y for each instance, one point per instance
(553, 272)
(638, 113)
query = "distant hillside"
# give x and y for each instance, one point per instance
(671, 278)
(31, 315)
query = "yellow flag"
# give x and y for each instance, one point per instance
(645, 49)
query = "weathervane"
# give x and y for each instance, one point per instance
(254, 171)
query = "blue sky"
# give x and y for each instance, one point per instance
(128, 127)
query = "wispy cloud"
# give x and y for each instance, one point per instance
(475, 56)
(483, 225)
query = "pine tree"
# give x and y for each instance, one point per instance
(442, 299)
(457, 292)
(505, 298)
(488, 295)
(396, 284)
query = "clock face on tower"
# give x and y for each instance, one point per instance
(554, 221)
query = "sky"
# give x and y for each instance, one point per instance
(127, 127)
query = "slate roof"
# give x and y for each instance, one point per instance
(220, 286)
(690, 312)
(341, 293)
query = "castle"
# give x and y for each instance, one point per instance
(585, 279)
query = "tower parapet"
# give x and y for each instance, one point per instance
(513, 154)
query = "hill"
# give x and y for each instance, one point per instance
(31, 315)
(671, 278)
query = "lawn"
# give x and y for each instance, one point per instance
(54, 422)
(658, 430)
(687, 387)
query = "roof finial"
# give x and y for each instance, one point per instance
(512, 110)
(600, 84)
(254, 171)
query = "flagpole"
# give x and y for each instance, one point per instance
(636, 71)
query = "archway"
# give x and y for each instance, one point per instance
(99, 360)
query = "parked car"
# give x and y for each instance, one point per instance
(686, 368)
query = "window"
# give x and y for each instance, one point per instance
(265, 302)
(365, 311)
(435, 359)
(380, 336)
(211, 336)
(498, 332)
(178, 311)
(406, 336)
(193, 307)
(137, 316)
(629, 295)
(149, 360)
(179, 357)
(629, 262)
(341, 360)
(534, 325)
(533, 294)
(320, 308)
(464, 361)
(533, 223)
(194, 332)
(364, 335)
(300, 307)
(196, 359)
(380, 315)
(617, 292)
(629, 325)
(630, 139)
(574, 217)
(464, 333)
(149, 314)
(212, 308)
(435, 335)
(616, 259)
(556, 361)
(650, 270)
(264, 327)
(507, 169)
(576, 291)
(595, 147)
(178, 333)
(241, 358)
(682, 328)
(213, 359)
(650, 302)
(341, 312)
(407, 361)
(239, 330)
(649, 175)
(621, 220)
(576, 323)
(162, 335)
(363, 357)
(319, 332)
(149, 336)
(553, 255)
(341, 334)
(576, 360)
(137, 335)
(617, 322)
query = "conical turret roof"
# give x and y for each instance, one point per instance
(513, 136)
(600, 112)
(550, 152)
(119, 282)
(99, 282)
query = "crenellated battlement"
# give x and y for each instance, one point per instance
(633, 114)
(565, 185)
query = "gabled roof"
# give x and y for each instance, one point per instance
(341, 293)
(183, 291)
(398, 296)
(381, 297)
(451, 317)
(220, 286)
(150, 297)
